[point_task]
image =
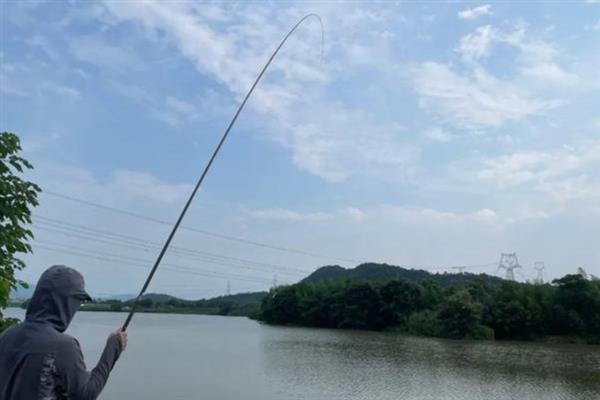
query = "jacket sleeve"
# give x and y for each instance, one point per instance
(79, 384)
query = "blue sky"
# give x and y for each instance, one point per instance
(430, 134)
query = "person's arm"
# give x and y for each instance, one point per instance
(76, 381)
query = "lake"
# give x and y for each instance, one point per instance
(227, 358)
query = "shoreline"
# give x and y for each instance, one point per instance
(551, 340)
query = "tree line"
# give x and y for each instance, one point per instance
(242, 304)
(569, 306)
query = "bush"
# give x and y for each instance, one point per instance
(423, 323)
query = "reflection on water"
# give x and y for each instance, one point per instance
(221, 358)
(361, 365)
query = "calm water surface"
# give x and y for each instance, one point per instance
(225, 358)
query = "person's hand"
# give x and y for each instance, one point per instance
(122, 338)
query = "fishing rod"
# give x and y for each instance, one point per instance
(208, 165)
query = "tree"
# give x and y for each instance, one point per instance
(460, 316)
(17, 198)
(400, 299)
(576, 309)
(281, 306)
(362, 306)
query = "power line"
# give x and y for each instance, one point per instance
(170, 267)
(115, 239)
(82, 232)
(201, 231)
(123, 257)
(216, 235)
(111, 236)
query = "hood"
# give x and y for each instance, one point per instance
(57, 297)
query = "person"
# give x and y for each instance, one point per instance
(38, 361)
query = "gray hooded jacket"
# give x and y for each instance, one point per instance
(40, 362)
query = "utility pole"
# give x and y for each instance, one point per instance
(509, 262)
(539, 267)
(460, 269)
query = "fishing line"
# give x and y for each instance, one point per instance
(208, 165)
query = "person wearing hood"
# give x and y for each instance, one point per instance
(38, 361)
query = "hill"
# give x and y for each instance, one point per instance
(385, 272)
(241, 304)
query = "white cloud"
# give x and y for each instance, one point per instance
(175, 111)
(473, 101)
(143, 194)
(551, 73)
(538, 58)
(331, 140)
(595, 27)
(475, 12)
(533, 50)
(285, 215)
(179, 105)
(478, 44)
(387, 212)
(93, 50)
(7, 86)
(67, 91)
(566, 174)
(123, 186)
(470, 97)
(437, 134)
(135, 184)
(483, 215)
(335, 143)
(43, 44)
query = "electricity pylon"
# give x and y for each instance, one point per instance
(460, 269)
(539, 267)
(509, 262)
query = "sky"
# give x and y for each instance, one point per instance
(422, 134)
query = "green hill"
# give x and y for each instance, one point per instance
(385, 272)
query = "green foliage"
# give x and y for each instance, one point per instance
(460, 316)
(517, 312)
(17, 197)
(241, 304)
(477, 309)
(361, 310)
(399, 300)
(577, 306)
(423, 323)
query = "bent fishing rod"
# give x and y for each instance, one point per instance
(208, 165)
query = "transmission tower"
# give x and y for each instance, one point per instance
(539, 267)
(275, 280)
(582, 272)
(460, 269)
(509, 262)
(228, 288)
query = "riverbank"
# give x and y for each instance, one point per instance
(92, 307)
(566, 311)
